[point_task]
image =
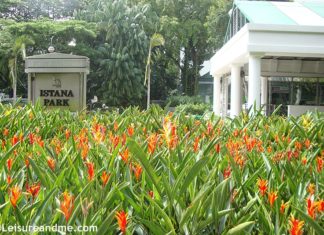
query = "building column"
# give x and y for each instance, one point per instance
(225, 96)
(217, 95)
(264, 94)
(236, 105)
(29, 88)
(254, 89)
(84, 97)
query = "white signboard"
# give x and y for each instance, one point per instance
(58, 90)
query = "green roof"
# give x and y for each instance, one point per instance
(282, 13)
(318, 8)
(263, 13)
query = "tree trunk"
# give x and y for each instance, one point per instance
(148, 91)
(14, 80)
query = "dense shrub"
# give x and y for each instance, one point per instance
(151, 172)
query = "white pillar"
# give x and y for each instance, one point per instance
(84, 97)
(225, 96)
(254, 81)
(29, 88)
(217, 95)
(235, 90)
(264, 94)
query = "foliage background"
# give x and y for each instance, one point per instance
(115, 36)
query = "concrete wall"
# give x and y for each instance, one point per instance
(297, 110)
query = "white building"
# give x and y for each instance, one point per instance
(268, 42)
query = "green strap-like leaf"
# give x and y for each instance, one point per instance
(241, 228)
(43, 206)
(105, 225)
(139, 155)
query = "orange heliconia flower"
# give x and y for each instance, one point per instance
(151, 194)
(84, 151)
(263, 186)
(307, 143)
(272, 196)
(115, 126)
(56, 143)
(9, 164)
(33, 189)
(67, 205)
(14, 140)
(319, 164)
(130, 130)
(210, 131)
(298, 145)
(137, 171)
(227, 172)
(104, 178)
(8, 179)
(114, 139)
(311, 206)
(304, 160)
(14, 195)
(40, 142)
(295, 226)
(152, 141)
(124, 138)
(170, 133)
(236, 133)
(99, 133)
(31, 138)
(5, 132)
(283, 207)
(196, 144)
(3, 143)
(124, 155)
(67, 134)
(217, 148)
(320, 205)
(90, 167)
(311, 189)
(239, 160)
(51, 163)
(122, 220)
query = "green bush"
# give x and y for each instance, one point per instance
(195, 109)
(173, 101)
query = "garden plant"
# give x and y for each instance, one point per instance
(152, 172)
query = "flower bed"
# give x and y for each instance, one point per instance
(156, 173)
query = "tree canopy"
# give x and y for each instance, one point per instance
(115, 35)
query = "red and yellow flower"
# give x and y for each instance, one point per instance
(90, 168)
(34, 189)
(14, 194)
(104, 178)
(263, 186)
(51, 163)
(272, 196)
(67, 205)
(137, 171)
(296, 226)
(121, 217)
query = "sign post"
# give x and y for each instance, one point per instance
(58, 80)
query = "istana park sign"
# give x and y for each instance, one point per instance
(58, 80)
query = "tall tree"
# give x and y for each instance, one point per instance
(122, 50)
(217, 22)
(182, 25)
(24, 10)
(155, 41)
